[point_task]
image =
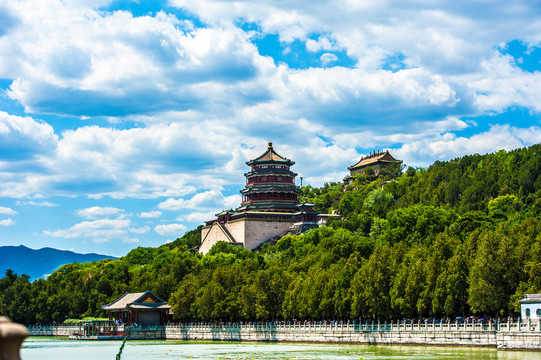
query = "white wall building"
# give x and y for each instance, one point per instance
(530, 307)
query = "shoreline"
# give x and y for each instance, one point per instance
(505, 336)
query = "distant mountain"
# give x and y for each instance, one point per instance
(42, 262)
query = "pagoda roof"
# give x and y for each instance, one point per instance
(225, 212)
(270, 156)
(141, 301)
(306, 208)
(380, 157)
(270, 187)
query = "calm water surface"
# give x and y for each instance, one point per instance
(64, 349)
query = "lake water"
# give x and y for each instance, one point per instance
(35, 348)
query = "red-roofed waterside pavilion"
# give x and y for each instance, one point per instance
(270, 207)
(144, 308)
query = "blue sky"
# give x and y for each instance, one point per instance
(126, 123)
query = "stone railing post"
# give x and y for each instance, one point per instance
(11, 338)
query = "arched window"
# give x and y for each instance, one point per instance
(538, 312)
(527, 312)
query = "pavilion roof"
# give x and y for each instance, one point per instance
(381, 157)
(142, 300)
(531, 299)
(270, 156)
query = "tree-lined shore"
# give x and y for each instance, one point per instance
(459, 238)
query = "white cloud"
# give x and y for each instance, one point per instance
(89, 61)
(204, 200)
(97, 212)
(23, 138)
(140, 230)
(36, 203)
(144, 163)
(442, 35)
(328, 58)
(151, 214)
(199, 216)
(448, 146)
(505, 86)
(417, 131)
(170, 229)
(7, 211)
(7, 222)
(323, 43)
(101, 230)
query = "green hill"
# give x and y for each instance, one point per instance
(460, 237)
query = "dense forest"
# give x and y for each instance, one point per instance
(459, 238)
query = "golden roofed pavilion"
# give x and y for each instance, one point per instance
(376, 161)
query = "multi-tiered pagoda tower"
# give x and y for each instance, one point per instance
(270, 185)
(269, 209)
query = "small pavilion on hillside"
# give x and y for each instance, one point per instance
(144, 308)
(375, 161)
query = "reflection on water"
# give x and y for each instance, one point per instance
(63, 349)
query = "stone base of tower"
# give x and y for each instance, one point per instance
(245, 232)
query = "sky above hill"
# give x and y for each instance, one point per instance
(125, 123)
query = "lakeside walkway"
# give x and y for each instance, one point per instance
(513, 335)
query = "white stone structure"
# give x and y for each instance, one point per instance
(530, 307)
(248, 233)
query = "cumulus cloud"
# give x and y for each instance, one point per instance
(7, 222)
(359, 99)
(170, 229)
(204, 200)
(7, 211)
(323, 43)
(146, 162)
(199, 216)
(506, 86)
(150, 214)
(448, 145)
(23, 138)
(101, 230)
(328, 58)
(141, 162)
(97, 212)
(36, 203)
(140, 230)
(417, 131)
(90, 61)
